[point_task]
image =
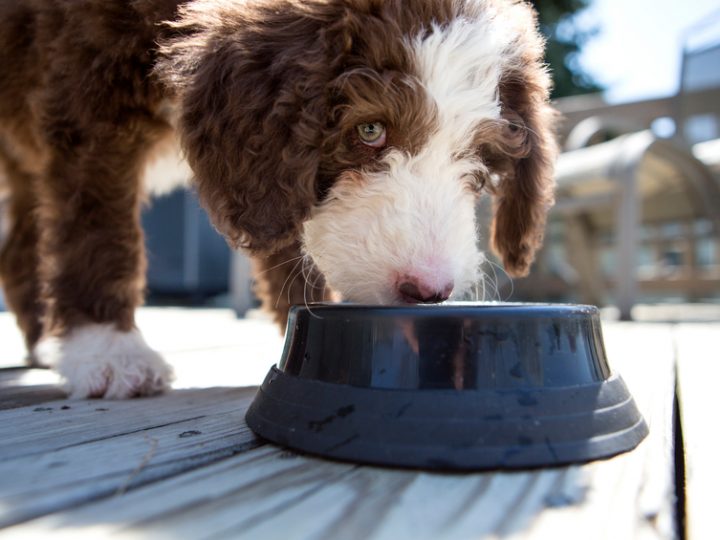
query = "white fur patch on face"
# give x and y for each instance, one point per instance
(460, 66)
(97, 360)
(375, 229)
(417, 217)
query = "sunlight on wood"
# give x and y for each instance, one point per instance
(12, 348)
(206, 347)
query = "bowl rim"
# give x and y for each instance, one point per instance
(455, 307)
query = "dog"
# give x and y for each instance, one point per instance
(352, 136)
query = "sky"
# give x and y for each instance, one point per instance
(637, 51)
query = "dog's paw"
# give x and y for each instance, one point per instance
(98, 360)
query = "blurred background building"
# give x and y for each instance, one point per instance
(638, 202)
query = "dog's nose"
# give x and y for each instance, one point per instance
(414, 291)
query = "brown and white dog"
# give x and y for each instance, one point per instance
(356, 134)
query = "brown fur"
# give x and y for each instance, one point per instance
(526, 189)
(85, 114)
(18, 258)
(268, 92)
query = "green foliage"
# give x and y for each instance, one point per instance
(564, 43)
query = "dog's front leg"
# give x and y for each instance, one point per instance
(92, 264)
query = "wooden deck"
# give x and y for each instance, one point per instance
(185, 465)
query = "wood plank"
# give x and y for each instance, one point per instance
(269, 492)
(698, 376)
(40, 484)
(22, 387)
(35, 431)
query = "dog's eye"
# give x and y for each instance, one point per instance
(372, 134)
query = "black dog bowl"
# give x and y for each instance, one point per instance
(457, 386)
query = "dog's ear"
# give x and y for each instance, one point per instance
(522, 160)
(252, 92)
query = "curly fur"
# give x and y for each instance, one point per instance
(265, 97)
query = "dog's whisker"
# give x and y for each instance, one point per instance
(307, 262)
(495, 291)
(296, 273)
(487, 285)
(305, 287)
(292, 271)
(291, 259)
(499, 267)
(479, 286)
(305, 271)
(305, 268)
(314, 285)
